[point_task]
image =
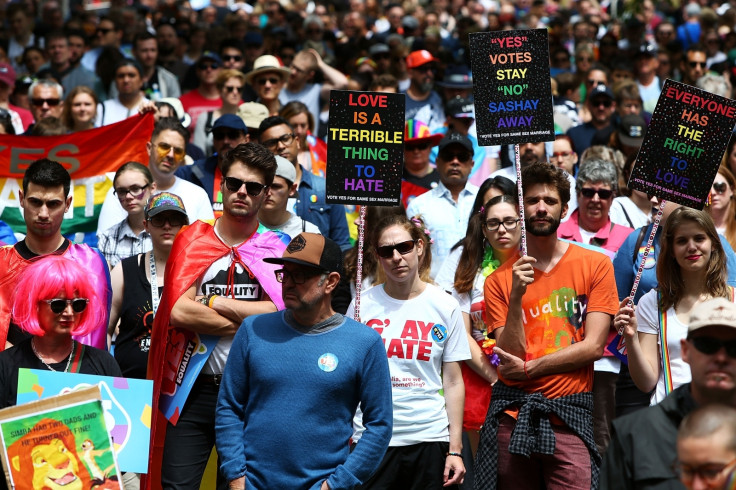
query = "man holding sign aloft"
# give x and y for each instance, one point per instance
(550, 313)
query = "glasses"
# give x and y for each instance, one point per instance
(136, 191)
(448, 156)
(710, 473)
(174, 220)
(416, 146)
(272, 81)
(710, 345)
(695, 64)
(233, 57)
(562, 154)
(233, 134)
(508, 224)
(252, 188)
(208, 66)
(41, 102)
(425, 68)
(604, 103)
(165, 148)
(589, 192)
(58, 305)
(103, 30)
(595, 83)
(231, 89)
(720, 187)
(387, 251)
(298, 276)
(285, 139)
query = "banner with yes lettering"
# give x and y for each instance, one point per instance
(88, 156)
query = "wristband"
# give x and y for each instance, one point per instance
(525, 371)
(455, 454)
(211, 299)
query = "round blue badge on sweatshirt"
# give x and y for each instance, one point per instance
(327, 362)
(439, 333)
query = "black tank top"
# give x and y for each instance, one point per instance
(136, 319)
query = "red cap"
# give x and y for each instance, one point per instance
(419, 58)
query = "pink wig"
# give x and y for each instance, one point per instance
(43, 280)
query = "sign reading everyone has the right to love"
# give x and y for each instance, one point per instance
(684, 144)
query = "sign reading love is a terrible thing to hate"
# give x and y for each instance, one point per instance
(684, 144)
(512, 89)
(365, 149)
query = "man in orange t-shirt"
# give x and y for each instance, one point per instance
(550, 313)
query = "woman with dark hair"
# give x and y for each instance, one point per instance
(80, 109)
(691, 269)
(425, 341)
(721, 205)
(312, 150)
(63, 304)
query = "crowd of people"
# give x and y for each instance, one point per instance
(462, 363)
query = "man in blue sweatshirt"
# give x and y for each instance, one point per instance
(293, 381)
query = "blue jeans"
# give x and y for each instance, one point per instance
(189, 443)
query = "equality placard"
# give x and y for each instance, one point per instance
(512, 88)
(684, 144)
(365, 150)
(60, 442)
(126, 404)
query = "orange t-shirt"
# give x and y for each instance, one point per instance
(554, 308)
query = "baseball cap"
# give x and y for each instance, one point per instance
(230, 121)
(7, 74)
(714, 312)
(456, 139)
(419, 58)
(601, 90)
(311, 250)
(632, 130)
(647, 49)
(210, 55)
(285, 169)
(378, 48)
(164, 201)
(460, 107)
(457, 76)
(252, 113)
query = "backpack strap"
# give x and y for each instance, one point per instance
(639, 240)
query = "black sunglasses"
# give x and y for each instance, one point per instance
(694, 64)
(41, 102)
(252, 188)
(448, 156)
(233, 134)
(59, 305)
(387, 251)
(589, 192)
(720, 187)
(174, 221)
(416, 146)
(234, 57)
(601, 102)
(710, 345)
(103, 30)
(206, 66)
(298, 276)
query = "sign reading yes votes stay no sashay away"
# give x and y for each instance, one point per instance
(512, 89)
(684, 144)
(365, 150)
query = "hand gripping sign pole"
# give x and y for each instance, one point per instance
(521, 200)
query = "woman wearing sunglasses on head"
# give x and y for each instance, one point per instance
(136, 305)
(132, 185)
(425, 342)
(721, 204)
(63, 304)
(691, 269)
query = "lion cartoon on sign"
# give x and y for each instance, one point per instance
(48, 453)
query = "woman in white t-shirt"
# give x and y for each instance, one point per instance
(425, 340)
(691, 269)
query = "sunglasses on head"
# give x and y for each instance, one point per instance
(58, 305)
(272, 81)
(720, 187)
(387, 251)
(252, 188)
(232, 134)
(589, 192)
(710, 345)
(41, 102)
(208, 66)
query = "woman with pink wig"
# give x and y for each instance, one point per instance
(53, 301)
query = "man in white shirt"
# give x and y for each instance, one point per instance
(446, 208)
(166, 153)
